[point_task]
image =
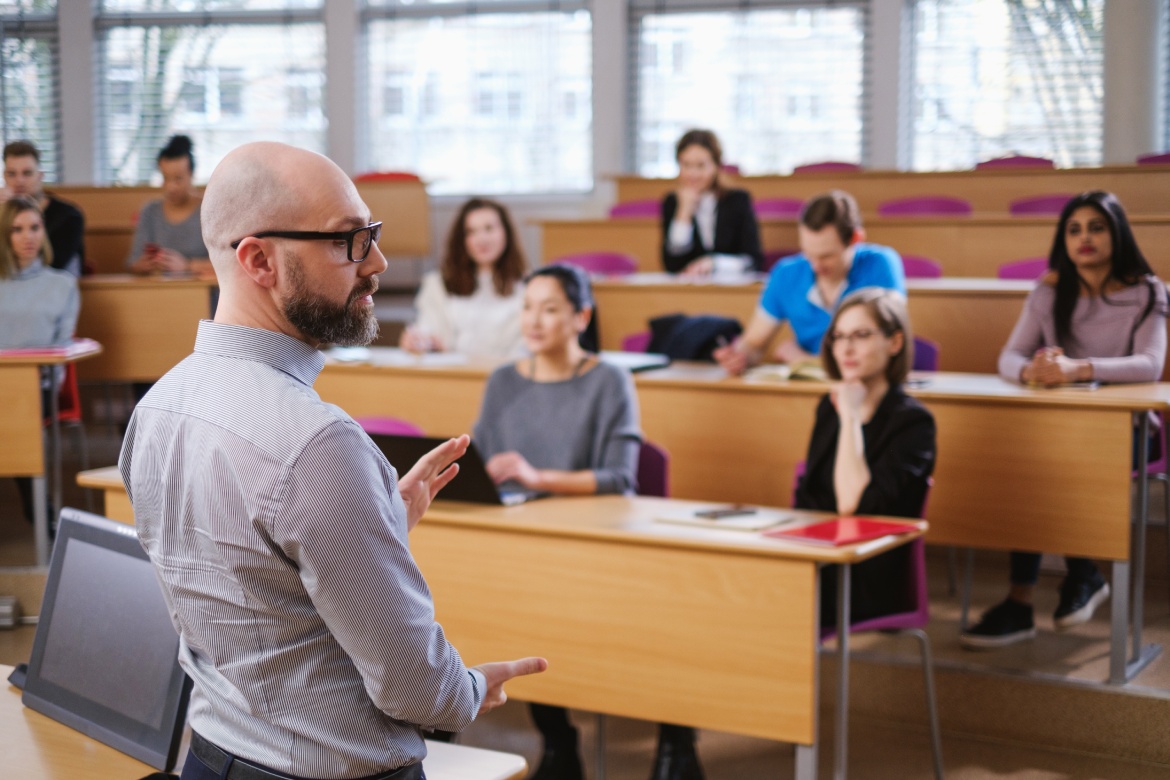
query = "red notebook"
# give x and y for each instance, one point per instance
(840, 531)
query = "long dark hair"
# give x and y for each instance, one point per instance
(459, 270)
(1127, 265)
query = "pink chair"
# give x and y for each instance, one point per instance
(925, 206)
(1039, 204)
(776, 255)
(653, 471)
(730, 169)
(602, 263)
(388, 426)
(925, 355)
(1154, 158)
(917, 267)
(636, 342)
(828, 166)
(632, 209)
(386, 176)
(1031, 268)
(1015, 161)
(778, 208)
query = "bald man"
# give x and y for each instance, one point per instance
(277, 529)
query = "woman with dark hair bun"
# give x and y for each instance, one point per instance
(561, 422)
(704, 223)
(471, 305)
(168, 237)
(1098, 315)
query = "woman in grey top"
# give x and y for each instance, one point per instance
(168, 237)
(38, 303)
(563, 422)
(1099, 314)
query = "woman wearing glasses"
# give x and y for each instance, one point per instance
(168, 237)
(873, 447)
(471, 305)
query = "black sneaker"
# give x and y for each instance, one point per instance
(1079, 599)
(1004, 624)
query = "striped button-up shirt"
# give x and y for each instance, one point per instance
(276, 529)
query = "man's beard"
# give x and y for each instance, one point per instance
(324, 321)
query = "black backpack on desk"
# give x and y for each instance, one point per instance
(691, 338)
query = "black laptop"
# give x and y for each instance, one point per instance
(105, 657)
(471, 484)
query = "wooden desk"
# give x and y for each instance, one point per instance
(965, 246)
(146, 323)
(940, 309)
(1144, 189)
(36, 747)
(22, 431)
(110, 214)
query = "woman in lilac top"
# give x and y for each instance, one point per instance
(1099, 314)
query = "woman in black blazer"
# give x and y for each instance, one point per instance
(701, 218)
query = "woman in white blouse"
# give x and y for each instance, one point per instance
(472, 304)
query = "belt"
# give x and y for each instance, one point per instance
(215, 758)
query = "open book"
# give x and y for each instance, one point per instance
(808, 369)
(840, 531)
(75, 347)
(738, 517)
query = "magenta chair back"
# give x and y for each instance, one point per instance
(1155, 158)
(1039, 204)
(653, 471)
(1031, 268)
(1015, 161)
(636, 342)
(925, 206)
(778, 208)
(925, 355)
(776, 255)
(635, 209)
(388, 426)
(607, 263)
(917, 267)
(828, 166)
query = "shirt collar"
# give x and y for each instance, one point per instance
(32, 269)
(284, 353)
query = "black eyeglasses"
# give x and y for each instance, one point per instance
(363, 238)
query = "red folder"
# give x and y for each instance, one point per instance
(840, 531)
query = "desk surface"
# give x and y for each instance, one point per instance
(36, 747)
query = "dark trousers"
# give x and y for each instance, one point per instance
(194, 769)
(1026, 568)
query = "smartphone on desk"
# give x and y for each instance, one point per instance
(718, 513)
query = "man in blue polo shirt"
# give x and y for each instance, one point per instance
(804, 289)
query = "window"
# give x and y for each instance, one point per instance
(477, 100)
(997, 77)
(780, 85)
(206, 81)
(29, 83)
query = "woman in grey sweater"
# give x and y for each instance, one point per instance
(563, 422)
(1099, 314)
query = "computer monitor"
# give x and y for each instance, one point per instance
(105, 656)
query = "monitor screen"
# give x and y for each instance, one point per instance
(105, 656)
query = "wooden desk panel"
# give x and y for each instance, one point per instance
(1143, 189)
(965, 246)
(22, 452)
(146, 324)
(622, 624)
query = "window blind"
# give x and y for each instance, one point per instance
(781, 83)
(488, 97)
(30, 107)
(998, 77)
(243, 71)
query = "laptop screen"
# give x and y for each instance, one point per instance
(105, 655)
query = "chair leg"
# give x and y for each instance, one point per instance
(1165, 480)
(83, 446)
(965, 594)
(599, 746)
(952, 571)
(931, 701)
